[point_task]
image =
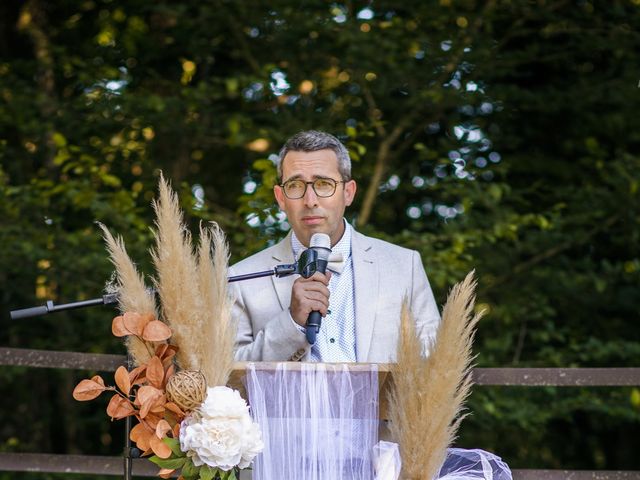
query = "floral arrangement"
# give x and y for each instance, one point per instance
(211, 440)
(188, 421)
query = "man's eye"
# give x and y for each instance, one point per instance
(295, 185)
(321, 183)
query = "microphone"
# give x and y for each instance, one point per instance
(320, 248)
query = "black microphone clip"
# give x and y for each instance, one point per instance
(308, 263)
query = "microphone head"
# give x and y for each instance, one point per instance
(321, 243)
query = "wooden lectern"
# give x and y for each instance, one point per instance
(384, 378)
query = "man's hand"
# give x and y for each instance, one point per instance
(308, 295)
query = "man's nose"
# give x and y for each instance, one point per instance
(310, 197)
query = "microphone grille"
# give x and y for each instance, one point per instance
(320, 240)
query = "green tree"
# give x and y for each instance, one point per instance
(495, 135)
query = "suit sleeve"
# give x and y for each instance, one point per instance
(277, 340)
(423, 304)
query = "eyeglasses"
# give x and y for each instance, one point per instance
(323, 187)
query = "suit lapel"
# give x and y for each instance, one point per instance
(283, 254)
(365, 280)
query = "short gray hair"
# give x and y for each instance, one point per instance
(314, 140)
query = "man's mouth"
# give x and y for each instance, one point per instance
(311, 220)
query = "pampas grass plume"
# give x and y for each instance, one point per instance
(217, 338)
(133, 295)
(193, 291)
(176, 280)
(427, 397)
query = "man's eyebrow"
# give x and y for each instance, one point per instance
(299, 177)
(294, 177)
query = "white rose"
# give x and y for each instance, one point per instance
(223, 401)
(221, 433)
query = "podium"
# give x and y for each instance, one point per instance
(236, 379)
(318, 420)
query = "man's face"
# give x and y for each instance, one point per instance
(312, 214)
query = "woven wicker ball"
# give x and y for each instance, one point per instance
(187, 389)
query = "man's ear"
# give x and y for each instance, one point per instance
(350, 188)
(279, 194)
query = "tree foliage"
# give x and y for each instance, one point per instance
(497, 135)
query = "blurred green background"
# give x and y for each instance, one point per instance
(497, 135)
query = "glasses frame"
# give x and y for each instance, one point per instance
(312, 182)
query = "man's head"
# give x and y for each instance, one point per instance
(320, 159)
(312, 141)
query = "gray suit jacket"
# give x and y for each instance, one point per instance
(383, 275)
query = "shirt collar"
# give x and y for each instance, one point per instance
(343, 246)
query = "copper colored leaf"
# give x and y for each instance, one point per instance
(168, 374)
(161, 349)
(172, 407)
(98, 379)
(166, 350)
(146, 318)
(146, 393)
(88, 390)
(162, 428)
(134, 323)
(119, 407)
(166, 472)
(141, 379)
(152, 420)
(157, 406)
(171, 351)
(160, 448)
(146, 398)
(155, 372)
(167, 356)
(117, 327)
(141, 435)
(156, 331)
(136, 373)
(122, 380)
(145, 409)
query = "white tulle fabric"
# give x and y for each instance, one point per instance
(386, 461)
(318, 421)
(462, 464)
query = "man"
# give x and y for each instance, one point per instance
(360, 301)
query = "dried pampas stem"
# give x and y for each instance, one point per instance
(133, 295)
(427, 396)
(217, 339)
(176, 276)
(193, 290)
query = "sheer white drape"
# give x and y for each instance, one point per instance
(462, 464)
(318, 421)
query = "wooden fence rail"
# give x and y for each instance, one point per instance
(102, 465)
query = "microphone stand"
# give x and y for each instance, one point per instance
(50, 307)
(305, 267)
